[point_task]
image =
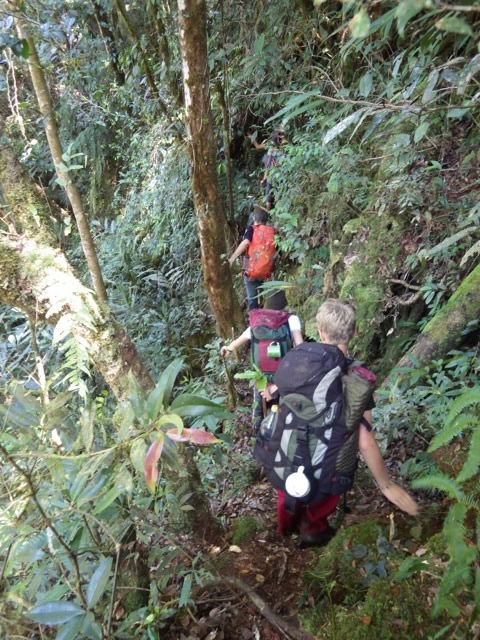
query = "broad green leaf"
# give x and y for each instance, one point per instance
(53, 613)
(333, 183)
(259, 44)
(405, 11)
(365, 85)
(193, 406)
(360, 24)
(70, 630)
(453, 114)
(185, 593)
(160, 396)
(454, 25)
(151, 459)
(138, 451)
(98, 582)
(421, 130)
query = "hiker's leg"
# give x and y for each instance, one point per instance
(252, 287)
(315, 515)
(287, 522)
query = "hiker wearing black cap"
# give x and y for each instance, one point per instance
(258, 248)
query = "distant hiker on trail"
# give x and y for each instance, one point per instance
(308, 445)
(272, 332)
(269, 159)
(258, 244)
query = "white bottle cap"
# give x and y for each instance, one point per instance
(297, 484)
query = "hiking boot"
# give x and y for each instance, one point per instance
(316, 539)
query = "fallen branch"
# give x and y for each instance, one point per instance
(404, 284)
(284, 627)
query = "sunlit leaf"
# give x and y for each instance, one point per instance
(151, 459)
(454, 25)
(365, 85)
(138, 452)
(360, 24)
(405, 11)
(343, 124)
(185, 592)
(420, 131)
(170, 419)
(53, 613)
(98, 582)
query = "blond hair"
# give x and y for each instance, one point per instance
(336, 319)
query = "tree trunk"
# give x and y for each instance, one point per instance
(36, 277)
(142, 53)
(51, 130)
(109, 41)
(206, 193)
(444, 331)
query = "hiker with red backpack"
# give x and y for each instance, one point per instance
(272, 332)
(258, 245)
(308, 445)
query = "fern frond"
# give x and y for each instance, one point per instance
(471, 252)
(452, 429)
(453, 239)
(469, 397)
(472, 462)
(441, 482)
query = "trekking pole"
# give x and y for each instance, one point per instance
(231, 391)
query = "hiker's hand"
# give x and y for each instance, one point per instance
(230, 262)
(267, 393)
(224, 351)
(401, 499)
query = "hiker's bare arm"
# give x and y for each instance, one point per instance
(297, 337)
(242, 247)
(226, 349)
(374, 460)
(258, 145)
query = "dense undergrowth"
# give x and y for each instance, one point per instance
(377, 201)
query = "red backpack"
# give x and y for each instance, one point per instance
(268, 327)
(261, 253)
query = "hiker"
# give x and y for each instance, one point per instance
(258, 244)
(269, 159)
(309, 443)
(272, 332)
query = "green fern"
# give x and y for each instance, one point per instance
(469, 397)
(442, 482)
(472, 462)
(452, 429)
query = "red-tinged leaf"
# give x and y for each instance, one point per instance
(201, 437)
(177, 437)
(150, 466)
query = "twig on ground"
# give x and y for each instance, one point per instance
(285, 627)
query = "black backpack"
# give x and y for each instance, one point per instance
(322, 399)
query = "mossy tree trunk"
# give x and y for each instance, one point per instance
(36, 278)
(206, 193)
(444, 331)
